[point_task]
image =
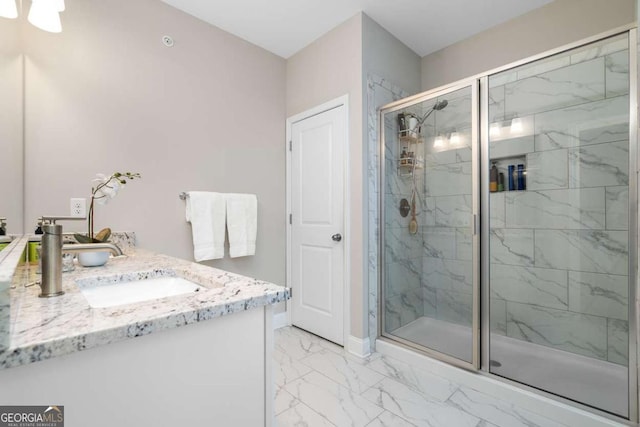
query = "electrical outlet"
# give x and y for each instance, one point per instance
(79, 208)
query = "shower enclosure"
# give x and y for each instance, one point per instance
(508, 224)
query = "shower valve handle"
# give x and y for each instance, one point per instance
(336, 237)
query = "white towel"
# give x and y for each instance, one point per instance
(242, 224)
(206, 213)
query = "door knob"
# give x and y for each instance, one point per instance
(336, 237)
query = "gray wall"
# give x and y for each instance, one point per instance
(328, 68)
(106, 95)
(11, 124)
(551, 26)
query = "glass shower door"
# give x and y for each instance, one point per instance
(429, 262)
(559, 265)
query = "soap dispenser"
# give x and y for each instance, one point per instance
(493, 178)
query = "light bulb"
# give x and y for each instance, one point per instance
(59, 5)
(494, 130)
(455, 138)
(516, 125)
(44, 15)
(8, 9)
(439, 142)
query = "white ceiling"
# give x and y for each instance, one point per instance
(286, 26)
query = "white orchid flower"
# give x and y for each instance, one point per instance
(107, 188)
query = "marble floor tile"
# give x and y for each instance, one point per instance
(338, 404)
(497, 412)
(387, 419)
(302, 416)
(283, 400)
(286, 368)
(343, 369)
(299, 344)
(417, 408)
(418, 380)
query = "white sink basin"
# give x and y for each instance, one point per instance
(127, 292)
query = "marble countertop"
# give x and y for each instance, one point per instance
(43, 328)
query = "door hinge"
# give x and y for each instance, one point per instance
(290, 145)
(290, 218)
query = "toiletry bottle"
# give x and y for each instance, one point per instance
(403, 157)
(510, 178)
(493, 178)
(521, 183)
(500, 181)
(39, 228)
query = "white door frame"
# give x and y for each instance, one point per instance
(334, 103)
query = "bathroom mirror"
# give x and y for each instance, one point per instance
(11, 142)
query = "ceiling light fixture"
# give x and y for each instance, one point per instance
(494, 130)
(8, 9)
(439, 142)
(45, 14)
(455, 138)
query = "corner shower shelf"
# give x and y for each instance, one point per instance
(406, 137)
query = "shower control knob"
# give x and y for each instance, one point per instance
(336, 237)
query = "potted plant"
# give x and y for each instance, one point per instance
(104, 189)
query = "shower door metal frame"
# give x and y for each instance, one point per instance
(473, 83)
(481, 158)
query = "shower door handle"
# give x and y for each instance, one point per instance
(336, 237)
(475, 223)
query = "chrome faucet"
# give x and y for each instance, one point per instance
(51, 251)
(3, 226)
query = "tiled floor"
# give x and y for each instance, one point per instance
(318, 384)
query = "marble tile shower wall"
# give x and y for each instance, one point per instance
(379, 92)
(403, 251)
(559, 250)
(446, 223)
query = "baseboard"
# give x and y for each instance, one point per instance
(358, 346)
(280, 320)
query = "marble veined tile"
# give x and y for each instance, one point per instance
(448, 180)
(457, 113)
(498, 316)
(416, 379)
(496, 103)
(602, 48)
(559, 209)
(617, 210)
(416, 408)
(453, 211)
(497, 215)
(497, 411)
(511, 147)
(402, 276)
(603, 295)
(439, 242)
(448, 274)
(547, 170)
(286, 368)
(283, 400)
(454, 306)
(338, 404)
(343, 369)
(427, 215)
(503, 78)
(404, 308)
(617, 73)
(511, 246)
(585, 124)
(295, 345)
(401, 245)
(582, 250)
(529, 285)
(387, 419)
(429, 296)
(618, 341)
(599, 165)
(567, 86)
(560, 329)
(542, 66)
(302, 416)
(464, 244)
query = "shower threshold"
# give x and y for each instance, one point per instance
(597, 383)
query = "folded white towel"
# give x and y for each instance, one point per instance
(206, 213)
(242, 224)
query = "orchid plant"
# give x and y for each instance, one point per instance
(104, 189)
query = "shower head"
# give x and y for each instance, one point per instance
(440, 105)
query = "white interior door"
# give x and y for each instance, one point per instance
(317, 225)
